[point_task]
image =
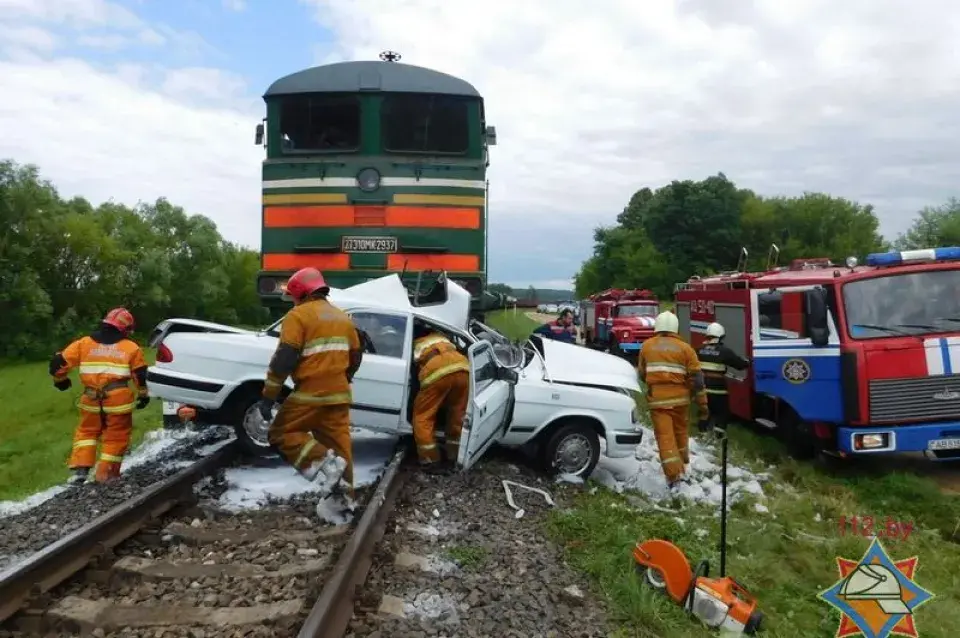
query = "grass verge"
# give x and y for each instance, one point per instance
(515, 325)
(784, 556)
(36, 431)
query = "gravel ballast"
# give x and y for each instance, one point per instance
(32, 530)
(456, 561)
(201, 572)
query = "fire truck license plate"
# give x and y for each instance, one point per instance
(944, 444)
(368, 244)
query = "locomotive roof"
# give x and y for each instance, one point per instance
(370, 76)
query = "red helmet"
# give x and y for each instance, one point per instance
(121, 319)
(304, 282)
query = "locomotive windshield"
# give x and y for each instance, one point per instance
(637, 311)
(912, 304)
(423, 123)
(325, 123)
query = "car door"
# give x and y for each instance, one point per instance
(491, 393)
(380, 384)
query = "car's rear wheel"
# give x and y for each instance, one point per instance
(572, 449)
(250, 428)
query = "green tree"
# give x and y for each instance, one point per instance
(63, 263)
(934, 227)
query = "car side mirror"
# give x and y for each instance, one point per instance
(815, 311)
(508, 375)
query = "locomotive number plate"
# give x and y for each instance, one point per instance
(944, 444)
(368, 244)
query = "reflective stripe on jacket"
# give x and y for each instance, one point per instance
(436, 357)
(105, 370)
(324, 336)
(715, 360)
(669, 367)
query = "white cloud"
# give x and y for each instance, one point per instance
(25, 39)
(106, 41)
(855, 98)
(235, 5)
(103, 135)
(76, 13)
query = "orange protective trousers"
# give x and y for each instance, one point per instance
(670, 426)
(303, 433)
(452, 393)
(112, 431)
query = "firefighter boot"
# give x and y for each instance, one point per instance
(78, 475)
(327, 472)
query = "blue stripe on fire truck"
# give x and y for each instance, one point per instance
(942, 355)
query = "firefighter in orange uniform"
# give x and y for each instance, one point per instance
(320, 349)
(670, 369)
(106, 360)
(443, 374)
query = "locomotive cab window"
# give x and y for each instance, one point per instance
(319, 123)
(422, 123)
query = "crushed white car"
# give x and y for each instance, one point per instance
(560, 402)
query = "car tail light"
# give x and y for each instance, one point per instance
(164, 354)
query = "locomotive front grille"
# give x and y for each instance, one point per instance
(915, 399)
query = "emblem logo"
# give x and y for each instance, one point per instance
(876, 596)
(946, 395)
(796, 371)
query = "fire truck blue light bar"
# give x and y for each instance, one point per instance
(950, 253)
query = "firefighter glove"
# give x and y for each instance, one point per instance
(703, 425)
(63, 384)
(142, 402)
(266, 408)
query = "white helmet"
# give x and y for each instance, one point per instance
(666, 322)
(715, 331)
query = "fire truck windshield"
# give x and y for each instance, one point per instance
(916, 303)
(636, 311)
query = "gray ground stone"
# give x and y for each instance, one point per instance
(509, 580)
(32, 530)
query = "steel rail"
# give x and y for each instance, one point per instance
(58, 561)
(330, 615)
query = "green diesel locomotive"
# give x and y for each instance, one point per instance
(373, 168)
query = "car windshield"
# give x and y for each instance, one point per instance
(637, 311)
(913, 304)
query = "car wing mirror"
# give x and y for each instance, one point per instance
(815, 311)
(507, 374)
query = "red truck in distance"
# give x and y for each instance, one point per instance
(618, 321)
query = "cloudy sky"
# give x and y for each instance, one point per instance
(136, 99)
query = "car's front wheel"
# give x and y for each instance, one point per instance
(572, 449)
(250, 428)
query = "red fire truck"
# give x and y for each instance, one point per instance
(618, 320)
(845, 359)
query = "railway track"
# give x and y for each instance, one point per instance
(163, 564)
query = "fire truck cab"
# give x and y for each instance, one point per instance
(618, 321)
(846, 360)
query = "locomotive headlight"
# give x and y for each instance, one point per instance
(368, 180)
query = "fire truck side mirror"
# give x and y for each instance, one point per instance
(815, 309)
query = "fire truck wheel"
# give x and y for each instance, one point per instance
(797, 435)
(572, 449)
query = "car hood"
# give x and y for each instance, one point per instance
(389, 292)
(568, 363)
